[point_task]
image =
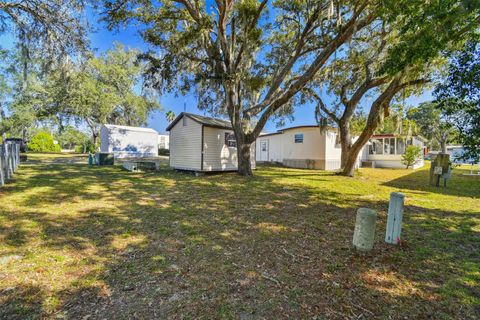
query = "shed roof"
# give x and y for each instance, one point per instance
(138, 129)
(206, 121)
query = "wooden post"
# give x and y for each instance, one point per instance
(442, 160)
(14, 157)
(395, 215)
(6, 157)
(364, 234)
(2, 175)
(17, 153)
(10, 155)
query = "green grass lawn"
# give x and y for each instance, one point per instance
(102, 243)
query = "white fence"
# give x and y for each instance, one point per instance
(9, 160)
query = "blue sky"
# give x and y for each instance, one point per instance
(102, 39)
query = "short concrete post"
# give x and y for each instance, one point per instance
(364, 234)
(395, 215)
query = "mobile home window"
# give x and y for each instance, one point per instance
(299, 138)
(400, 146)
(376, 146)
(389, 145)
(230, 140)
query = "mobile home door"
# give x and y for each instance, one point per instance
(263, 150)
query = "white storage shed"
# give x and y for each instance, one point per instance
(125, 141)
(203, 144)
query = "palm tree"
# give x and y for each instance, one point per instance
(170, 115)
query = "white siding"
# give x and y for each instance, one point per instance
(128, 141)
(185, 145)
(333, 152)
(318, 148)
(217, 156)
(105, 146)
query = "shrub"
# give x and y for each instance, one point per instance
(89, 147)
(43, 142)
(411, 156)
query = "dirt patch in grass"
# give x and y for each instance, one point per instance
(99, 242)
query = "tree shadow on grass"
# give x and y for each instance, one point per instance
(458, 185)
(168, 245)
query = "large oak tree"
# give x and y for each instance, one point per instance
(387, 59)
(245, 59)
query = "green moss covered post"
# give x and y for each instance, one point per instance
(438, 167)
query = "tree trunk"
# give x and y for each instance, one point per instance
(244, 163)
(443, 146)
(349, 168)
(95, 137)
(346, 142)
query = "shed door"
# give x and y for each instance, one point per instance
(263, 150)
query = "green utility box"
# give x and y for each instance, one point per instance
(104, 159)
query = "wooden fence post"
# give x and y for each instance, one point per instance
(18, 154)
(10, 154)
(2, 176)
(14, 156)
(16, 151)
(6, 150)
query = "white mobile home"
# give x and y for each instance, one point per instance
(203, 144)
(301, 147)
(125, 141)
(386, 150)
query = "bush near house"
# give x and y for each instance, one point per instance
(411, 156)
(43, 142)
(89, 147)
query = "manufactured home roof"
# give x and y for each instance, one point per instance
(138, 129)
(392, 135)
(291, 128)
(206, 121)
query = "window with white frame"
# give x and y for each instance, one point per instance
(230, 140)
(376, 146)
(298, 138)
(389, 146)
(400, 146)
